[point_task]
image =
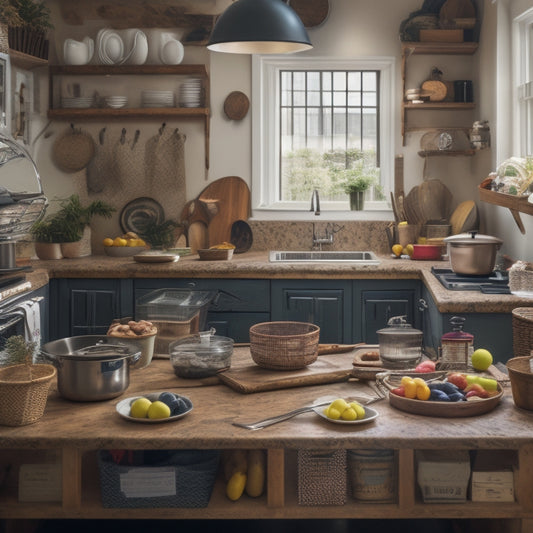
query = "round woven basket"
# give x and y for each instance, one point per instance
(522, 331)
(22, 401)
(521, 381)
(284, 345)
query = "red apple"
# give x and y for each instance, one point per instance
(399, 391)
(425, 367)
(458, 379)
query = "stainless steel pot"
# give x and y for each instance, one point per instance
(472, 254)
(91, 367)
(400, 345)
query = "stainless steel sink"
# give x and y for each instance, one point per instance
(360, 258)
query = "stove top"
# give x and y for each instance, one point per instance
(495, 283)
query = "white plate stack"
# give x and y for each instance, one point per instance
(157, 99)
(116, 102)
(77, 102)
(191, 93)
(109, 47)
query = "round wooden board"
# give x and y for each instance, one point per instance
(312, 13)
(236, 105)
(437, 90)
(446, 409)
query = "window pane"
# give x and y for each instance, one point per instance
(328, 123)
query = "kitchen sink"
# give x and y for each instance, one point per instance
(360, 258)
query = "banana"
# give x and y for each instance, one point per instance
(255, 482)
(235, 486)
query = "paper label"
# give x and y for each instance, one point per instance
(148, 483)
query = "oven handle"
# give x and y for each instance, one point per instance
(7, 325)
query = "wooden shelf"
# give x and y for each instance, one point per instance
(438, 153)
(515, 204)
(144, 113)
(426, 48)
(26, 61)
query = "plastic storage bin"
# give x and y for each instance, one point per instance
(176, 313)
(168, 478)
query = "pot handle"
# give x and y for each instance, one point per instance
(134, 358)
(56, 361)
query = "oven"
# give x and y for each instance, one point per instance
(23, 315)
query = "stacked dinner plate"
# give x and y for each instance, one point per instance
(157, 99)
(77, 102)
(191, 93)
(116, 102)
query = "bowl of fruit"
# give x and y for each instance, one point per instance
(126, 245)
(154, 407)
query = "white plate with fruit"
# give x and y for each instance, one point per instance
(154, 407)
(342, 411)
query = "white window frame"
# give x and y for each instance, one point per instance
(265, 145)
(523, 83)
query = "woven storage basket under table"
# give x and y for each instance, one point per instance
(521, 377)
(23, 401)
(522, 331)
(322, 478)
(284, 345)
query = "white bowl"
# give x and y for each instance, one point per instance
(137, 46)
(113, 47)
(171, 52)
(123, 251)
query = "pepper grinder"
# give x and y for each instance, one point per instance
(457, 346)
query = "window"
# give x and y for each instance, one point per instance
(313, 118)
(523, 82)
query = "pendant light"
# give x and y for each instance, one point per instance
(259, 27)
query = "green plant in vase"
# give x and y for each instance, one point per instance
(356, 181)
(161, 236)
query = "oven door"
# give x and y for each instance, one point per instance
(11, 323)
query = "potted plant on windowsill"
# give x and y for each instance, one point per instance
(66, 233)
(356, 181)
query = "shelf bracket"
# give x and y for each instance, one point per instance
(518, 220)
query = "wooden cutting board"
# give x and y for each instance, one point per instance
(248, 378)
(231, 196)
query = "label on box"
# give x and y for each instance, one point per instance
(503, 476)
(148, 482)
(443, 493)
(40, 483)
(482, 492)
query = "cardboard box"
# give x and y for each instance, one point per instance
(493, 476)
(40, 483)
(441, 36)
(443, 476)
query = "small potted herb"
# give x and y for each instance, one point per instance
(356, 181)
(161, 236)
(24, 384)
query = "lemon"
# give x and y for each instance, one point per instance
(349, 414)
(119, 241)
(481, 359)
(108, 242)
(359, 410)
(139, 408)
(397, 250)
(332, 413)
(339, 404)
(409, 250)
(158, 410)
(402, 223)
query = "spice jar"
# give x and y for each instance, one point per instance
(457, 346)
(400, 345)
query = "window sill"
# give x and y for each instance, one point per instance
(285, 214)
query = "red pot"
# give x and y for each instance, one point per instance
(427, 252)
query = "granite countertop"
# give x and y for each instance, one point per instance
(255, 265)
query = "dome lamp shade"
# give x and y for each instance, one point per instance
(259, 27)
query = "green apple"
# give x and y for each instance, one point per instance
(481, 359)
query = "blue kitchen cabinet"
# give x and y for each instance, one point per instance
(239, 303)
(493, 331)
(88, 306)
(376, 301)
(326, 303)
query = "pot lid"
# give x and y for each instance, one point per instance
(398, 325)
(204, 341)
(472, 237)
(103, 351)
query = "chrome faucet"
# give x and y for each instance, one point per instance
(328, 236)
(315, 203)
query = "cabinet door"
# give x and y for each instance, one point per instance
(87, 307)
(324, 303)
(375, 302)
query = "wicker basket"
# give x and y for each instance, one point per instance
(23, 401)
(522, 331)
(521, 280)
(521, 381)
(322, 478)
(284, 345)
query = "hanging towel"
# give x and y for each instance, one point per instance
(32, 321)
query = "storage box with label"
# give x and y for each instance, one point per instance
(443, 475)
(493, 476)
(167, 478)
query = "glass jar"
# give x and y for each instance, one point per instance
(400, 345)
